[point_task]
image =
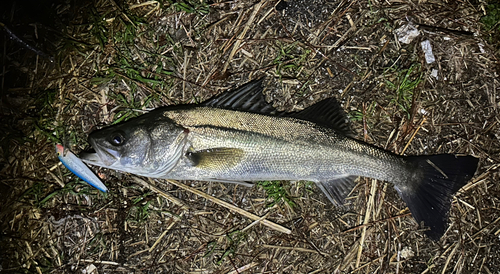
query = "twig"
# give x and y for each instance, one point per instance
(295, 248)
(101, 262)
(161, 192)
(24, 44)
(243, 268)
(229, 206)
(172, 223)
(237, 44)
(413, 135)
(371, 200)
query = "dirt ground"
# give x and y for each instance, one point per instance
(71, 67)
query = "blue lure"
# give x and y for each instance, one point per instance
(75, 165)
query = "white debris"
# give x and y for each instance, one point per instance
(434, 73)
(407, 252)
(427, 48)
(481, 47)
(423, 112)
(407, 33)
(90, 269)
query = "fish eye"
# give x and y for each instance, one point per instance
(117, 139)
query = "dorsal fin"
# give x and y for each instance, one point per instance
(248, 97)
(327, 113)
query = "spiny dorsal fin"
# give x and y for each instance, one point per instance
(248, 97)
(215, 158)
(327, 113)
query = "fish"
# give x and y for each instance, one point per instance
(238, 137)
(77, 167)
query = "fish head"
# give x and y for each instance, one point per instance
(149, 145)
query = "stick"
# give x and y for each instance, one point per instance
(375, 222)
(295, 249)
(229, 206)
(161, 192)
(413, 135)
(248, 25)
(366, 220)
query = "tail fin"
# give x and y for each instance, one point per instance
(438, 178)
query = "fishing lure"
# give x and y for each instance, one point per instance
(75, 165)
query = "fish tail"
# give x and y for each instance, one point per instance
(429, 192)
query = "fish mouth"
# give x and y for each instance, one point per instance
(99, 155)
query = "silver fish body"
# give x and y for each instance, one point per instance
(241, 146)
(228, 139)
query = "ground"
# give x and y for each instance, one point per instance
(96, 63)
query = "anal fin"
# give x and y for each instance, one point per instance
(338, 189)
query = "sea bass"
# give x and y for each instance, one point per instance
(238, 137)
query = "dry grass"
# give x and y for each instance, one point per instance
(114, 59)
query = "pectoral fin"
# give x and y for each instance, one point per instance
(216, 158)
(338, 189)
